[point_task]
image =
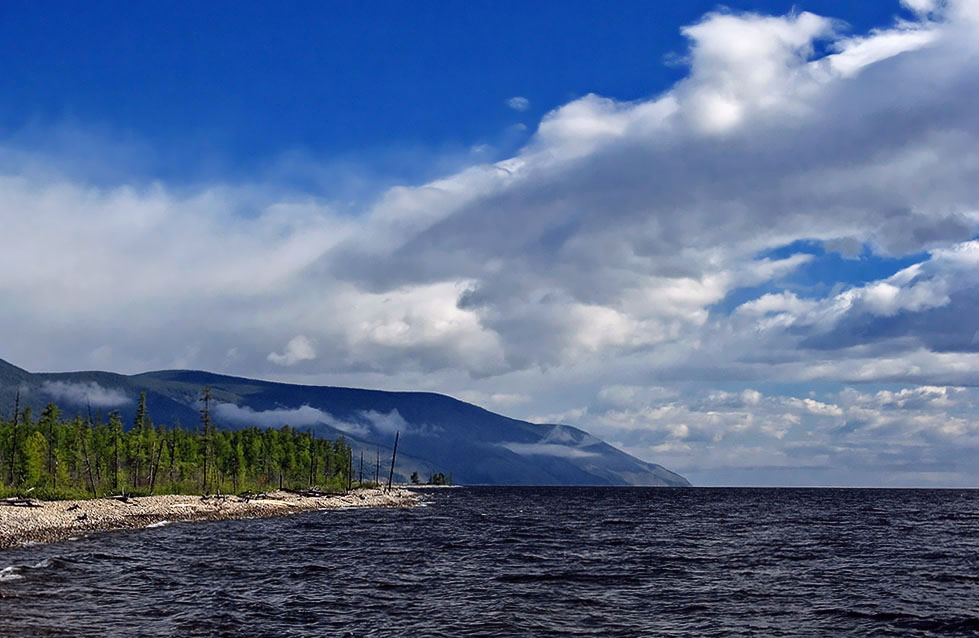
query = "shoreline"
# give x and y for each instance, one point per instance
(55, 521)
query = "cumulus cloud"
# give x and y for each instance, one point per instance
(747, 64)
(88, 393)
(912, 326)
(299, 348)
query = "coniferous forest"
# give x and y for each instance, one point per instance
(53, 455)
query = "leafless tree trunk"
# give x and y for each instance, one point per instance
(394, 457)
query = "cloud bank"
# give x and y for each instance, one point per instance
(924, 435)
(300, 417)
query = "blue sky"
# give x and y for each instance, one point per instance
(220, 90)
(736, 241)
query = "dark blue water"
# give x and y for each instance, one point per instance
(527, 562)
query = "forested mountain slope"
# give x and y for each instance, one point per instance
(437, 433)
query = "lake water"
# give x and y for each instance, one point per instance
(527, 562)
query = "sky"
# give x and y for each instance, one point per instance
(739, 241)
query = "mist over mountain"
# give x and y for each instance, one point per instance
(437, 433)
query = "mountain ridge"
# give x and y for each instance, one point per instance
(439, 433)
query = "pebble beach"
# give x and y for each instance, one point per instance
(53, 521)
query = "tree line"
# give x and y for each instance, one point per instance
(58, 457)
(438, 478)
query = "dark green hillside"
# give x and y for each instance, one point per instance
(11, 376)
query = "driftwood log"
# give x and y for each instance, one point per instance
(311, 493)
(19, 501)
(244, 497)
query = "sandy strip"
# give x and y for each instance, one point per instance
(60, 520)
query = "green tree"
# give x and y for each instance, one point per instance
(116, 434)
(35, 453)
(438, 479)
(62, 458)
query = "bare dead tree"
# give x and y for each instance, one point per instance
(86, 430)
(13, 438)
(206, 423)
(155, 468)
(394, 457)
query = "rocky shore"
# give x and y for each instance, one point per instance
(53, 521)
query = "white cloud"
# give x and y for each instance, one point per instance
(816, 407)
(560, 441)
(388, 423)
(921, 6)
(518, 103)
(302, 416)
(859, 53)
(776, 303)
(743, 64)
(88, 393)
(548, 449)
(299, 348)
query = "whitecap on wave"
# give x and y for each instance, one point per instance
(9, 573)
(12, 572)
